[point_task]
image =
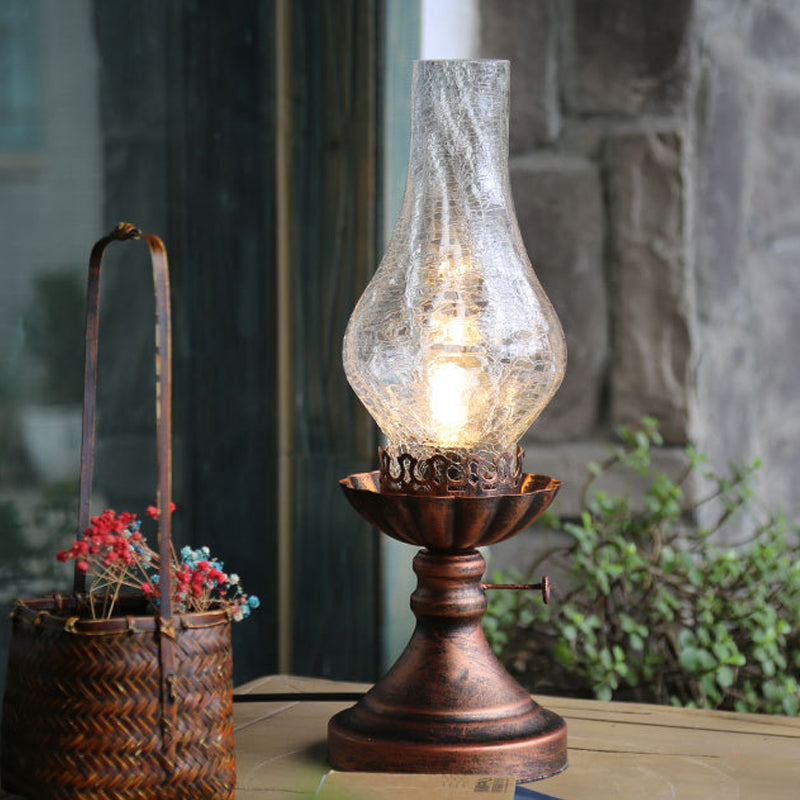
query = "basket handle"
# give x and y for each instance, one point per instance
(163, 352)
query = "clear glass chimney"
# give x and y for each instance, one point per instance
(454, 348)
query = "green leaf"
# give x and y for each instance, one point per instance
(725, 676)
(627, 623)
(563, 654)
(706, 660)
(688, 659)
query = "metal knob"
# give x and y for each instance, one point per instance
(544, 587)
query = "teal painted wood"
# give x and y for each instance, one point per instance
(188, 141)
(335, 555)
(224, 168)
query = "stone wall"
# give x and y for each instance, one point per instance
(656, 172)
(747, 247)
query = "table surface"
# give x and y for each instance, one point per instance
(616, 750)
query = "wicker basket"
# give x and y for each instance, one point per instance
(137, 706)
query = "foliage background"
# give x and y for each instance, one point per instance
(656, 608)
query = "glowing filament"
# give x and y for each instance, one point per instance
(449, 387)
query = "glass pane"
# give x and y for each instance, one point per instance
(162, 114)
(50, 211)
(159, 114)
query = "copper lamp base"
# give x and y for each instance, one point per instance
(448, 705)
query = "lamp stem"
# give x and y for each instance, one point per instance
(448, 705)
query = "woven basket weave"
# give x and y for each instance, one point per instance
(137, 707)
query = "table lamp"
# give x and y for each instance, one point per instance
(454, 349)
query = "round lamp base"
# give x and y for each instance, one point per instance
(527, 759)
(448, 705)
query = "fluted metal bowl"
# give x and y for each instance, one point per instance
(449, 524)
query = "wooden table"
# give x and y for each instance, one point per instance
(617, 751)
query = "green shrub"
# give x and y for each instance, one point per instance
(660, 610)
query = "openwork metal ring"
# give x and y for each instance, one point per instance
(450, 472)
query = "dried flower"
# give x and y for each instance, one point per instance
(152, 511)
(118, 557)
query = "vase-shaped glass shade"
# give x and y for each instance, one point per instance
(454, 348)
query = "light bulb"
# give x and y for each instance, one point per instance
(453, 347)
(449, 391)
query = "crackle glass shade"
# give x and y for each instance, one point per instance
(454, 347)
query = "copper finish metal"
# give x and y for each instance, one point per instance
(450, 472)
(543, 587)
(448, 524)
(448, 705)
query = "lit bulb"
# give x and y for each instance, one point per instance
(453, 347)
(449, 386)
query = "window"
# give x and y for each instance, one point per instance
(164, 115)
